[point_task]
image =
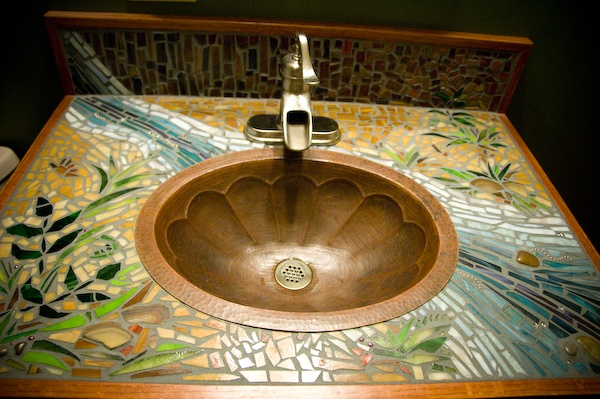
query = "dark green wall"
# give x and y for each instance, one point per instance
(553, 107)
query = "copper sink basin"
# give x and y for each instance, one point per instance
(310, 241)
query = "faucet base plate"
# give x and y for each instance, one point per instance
(266, 128)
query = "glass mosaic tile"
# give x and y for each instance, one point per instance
(218, 64)
(77, 304)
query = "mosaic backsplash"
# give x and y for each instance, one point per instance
(247, 66)
(77, 304)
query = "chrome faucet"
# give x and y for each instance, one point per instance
(295, 126)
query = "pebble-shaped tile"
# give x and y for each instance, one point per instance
(570, 348)
(20, 347)
(527, 259)
(591, 346)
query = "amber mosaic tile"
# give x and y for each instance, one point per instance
(76, 303)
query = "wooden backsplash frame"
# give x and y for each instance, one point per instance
(360, 82)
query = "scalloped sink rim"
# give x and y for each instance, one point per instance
(209, 274)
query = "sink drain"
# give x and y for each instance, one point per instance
(293, 274)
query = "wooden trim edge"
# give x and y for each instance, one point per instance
(446, 390)
(76, 19)
(59, 57)
(33, 150)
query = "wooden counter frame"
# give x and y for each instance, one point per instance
(446, 390)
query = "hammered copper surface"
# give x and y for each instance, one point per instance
(378, 244)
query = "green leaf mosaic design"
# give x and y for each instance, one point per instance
(496, 317)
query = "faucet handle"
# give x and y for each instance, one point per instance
(308, 73)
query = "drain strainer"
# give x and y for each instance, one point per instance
(293, 274)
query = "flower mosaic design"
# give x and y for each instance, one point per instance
(495, 181)
(419, 345)
(493, 178)
(66, 167)
(459, 128)
(57, 237)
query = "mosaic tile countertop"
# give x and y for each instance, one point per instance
(77, 304)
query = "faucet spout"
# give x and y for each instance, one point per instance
(297, 121)
(296, 110)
